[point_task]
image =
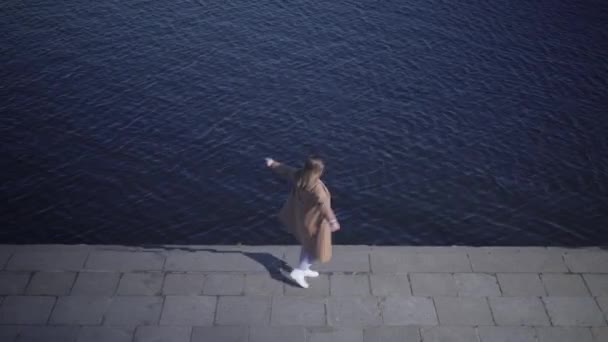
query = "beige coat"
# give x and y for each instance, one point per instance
(306, 215)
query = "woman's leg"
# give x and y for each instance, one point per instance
(305, 260)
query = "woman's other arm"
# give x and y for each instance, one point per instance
(281, 169)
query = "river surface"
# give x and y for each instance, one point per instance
(442, 122)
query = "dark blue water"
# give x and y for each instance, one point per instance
(442, 122)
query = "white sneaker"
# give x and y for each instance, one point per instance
(311, 273)
(298, 277)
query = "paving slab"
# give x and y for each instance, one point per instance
(105, 334)
(96, 283)
(521, 285)
(405, 262)
(506, 334)
(5, 255)
(476, 285)
(433, 284)
(565, 285)
(598, 284)
(298, 311)
(391, 334)
(183, 284)
(462, 311)
(48, 334)
(449, 334)
(507, 261)
(51, 283)
(405, 310)
(519, 311)
(224, 284)
(9, 333)
(603, 303)
(592, 261)
(162, 334)
(574, 311)
(236, 310)
(600, 334)
(267, 334)
(561, 334)
(13, 283)
(230, 261)
(260, 284)
(350, 285)
(140, 284)
(121, 261)
(188, 310)
(353, 311)
(330, 334)
(344, 261)
(80, 310)
(47, 261)
(390, 284)
(34, 310)
(134, 310)
(222, 334)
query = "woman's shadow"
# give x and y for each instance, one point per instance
(276, 268)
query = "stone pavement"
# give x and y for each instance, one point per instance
(235, 293)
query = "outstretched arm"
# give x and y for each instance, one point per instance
(281, 169)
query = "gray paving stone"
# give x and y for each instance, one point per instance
(162, 334)
(565, 285)
(404, 310)
(51, 283)
(505, 261)
(140, 284)
(319, 287)
(390, 284)
(598, 284)
(80, 310)
(449, 334)
(209, 262)
(48, 334)
(521, 285)
(342, 261)
(350, 285)
(600, 334)
(8, 333)
(506, 334)
(122, 261)
(96, 283)
(560, 334)
(603, 303)
(5, 255)
(248, 310)
(260, 284)
(574, 311)
(329, 334)
(404, 262)
(433, 284)
(353, 311)
(13, 283)
(519, 311)
(132, 311)
(26, 310)
(222, 334)
(183, 284)
(224, 284)
(391, 334)
(476, 285)
(188, 310)
(105, 334)
(267, 334)
(587, 261)
(47, 261)
(456, 311)
(298, 311)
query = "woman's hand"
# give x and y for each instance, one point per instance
(269, 162)
(334, 225)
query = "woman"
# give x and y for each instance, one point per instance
(307, 214)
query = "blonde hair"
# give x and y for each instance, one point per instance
(309, 175)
